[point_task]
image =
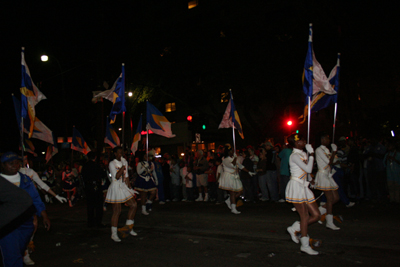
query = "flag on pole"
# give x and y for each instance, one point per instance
(137, 137)
(157, 122)
(78, 143)
(40, 131)
(231, 118)
(51, 149)
(308, 68)
(322, 99)
(116, 95)
(28, 146)
(111, 136)
(30, 95)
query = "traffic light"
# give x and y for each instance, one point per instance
(289, 123)
(204, 126)
(189, 118)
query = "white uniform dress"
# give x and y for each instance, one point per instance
(297, 190)
(118, 192)
(34, 177)
(324, 180)
(230, 179)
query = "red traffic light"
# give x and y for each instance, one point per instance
(289, 123)
(189, 118)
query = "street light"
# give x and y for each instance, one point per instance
(44, 58)
(130, 94)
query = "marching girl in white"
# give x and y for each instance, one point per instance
(146, 182)
(298, 193)
(120, 192)
(324, 179)
(230, 179)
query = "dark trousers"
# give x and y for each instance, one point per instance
(94, 208)
(212, 190)
(13, 245)
(167, 189)
(189, 192)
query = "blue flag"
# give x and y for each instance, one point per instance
(30, 95)
(118, 96)
(231, 118)
(157, 122)
(40, 131)
(321, 99)
(78, 143)
(308, 68)
(137, 137)
(111, 136)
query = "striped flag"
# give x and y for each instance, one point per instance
(78, 143)
(111, 136)
(157, 122)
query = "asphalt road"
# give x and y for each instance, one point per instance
(205, 234)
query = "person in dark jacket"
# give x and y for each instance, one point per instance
(92, 175)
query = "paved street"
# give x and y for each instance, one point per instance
(205, 234)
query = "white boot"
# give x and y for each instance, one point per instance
(305, 246)
(114, 235)
(322, 210)
(205, 197)
(144, 212)
(292, 231)
(228, 202)
(200, 198)
(329, 222)
(234, 210)
(27, 259)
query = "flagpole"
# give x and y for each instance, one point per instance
(72, 151)
(22, 138)
(123, 130)
(233, 125)
(309, 119)
(335, 111)
(334, 123)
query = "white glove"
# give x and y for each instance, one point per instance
(309, 148)
(135, 192)
(252, 173)
(61, 199)
(46, 197)
(334, 147)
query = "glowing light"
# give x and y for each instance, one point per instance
(119, 129)
(189, 118)
(392, 132)
(130, 94)
(289, 123)
(44, 58)
(182, 154)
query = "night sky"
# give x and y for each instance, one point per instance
(190, 57)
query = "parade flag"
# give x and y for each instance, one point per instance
(78, 143)
(137, 137)
(322, 99)
(308, 68)
(30, 95)
(231, 118)
(51, 149)
(116, 95)
(111, 136)
(40, 131)
(28, 146)
(157, 122)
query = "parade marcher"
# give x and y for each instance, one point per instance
(146, 183)
(69, 184)
(284, 155)
(120, 192)
(199, 167)
(92, 175)
(298, 193)
(230, 179)
(324, 179)
(42, 185)
(14, 244)
(175, 180)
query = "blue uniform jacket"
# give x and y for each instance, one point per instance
(27, 185)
